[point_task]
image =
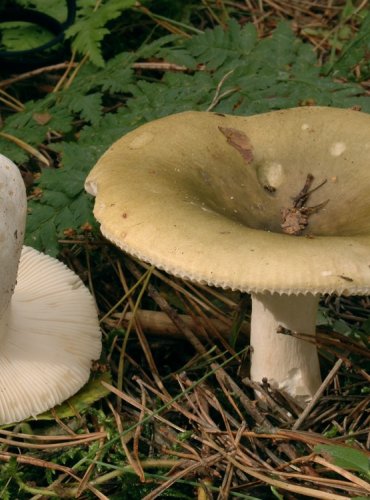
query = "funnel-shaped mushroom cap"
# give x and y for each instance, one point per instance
(205, 196)
(50, 336)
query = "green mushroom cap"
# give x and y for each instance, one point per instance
(276, 202)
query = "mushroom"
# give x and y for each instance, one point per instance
(49, 331)
(276, 205)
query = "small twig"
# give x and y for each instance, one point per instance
(295, 218)
(217, 97)
(138, 430)
(37, 462)
(170, 401)
(85, 480)
(345, 473)
(267, 398)
(22, 144)
(206, 462)
(34, 72)
(163, 66)
(62, 444)
(158, 323)
(35, 437)
(124, 439)
(63, 425)
(171, 313)
(150, 413)
(9, 102)
(302, 196)
(75, 71)
(317, 395)
(149, 463)
(264, 478)
(228, 476)
(220, 373)
(300, 200)
(71, 64)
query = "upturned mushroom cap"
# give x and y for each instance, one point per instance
(201, 195)
(51, 335)
(49, 331)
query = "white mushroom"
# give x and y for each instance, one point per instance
(49, 331)
(276, 205)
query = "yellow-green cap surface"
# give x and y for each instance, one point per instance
(201, 195)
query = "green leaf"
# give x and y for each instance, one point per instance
(54, 199)
(24, 125)
(32, 36)
(340, 326)
(156, 47)
(220, 47)
(366, 326)
(249, 76)
(40, 230)
(48, 219)
(276, 493)
(89, 29)
(54, 8)
(348, 458)
(117, 74)
(353, 53)
(89, 394)
(89, 106)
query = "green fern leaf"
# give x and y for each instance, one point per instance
(355, 52)
(24, 125)
(273, 73)
(220, 47)
(63, 203)
(89, 29)
(114, 77)
(89, 106)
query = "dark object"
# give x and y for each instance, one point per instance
(295, 218)
(38, 56)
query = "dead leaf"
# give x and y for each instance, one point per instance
(240, 141)
(294, 220)
(42, 118)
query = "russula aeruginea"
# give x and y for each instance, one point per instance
(49, 331)
(276, 205)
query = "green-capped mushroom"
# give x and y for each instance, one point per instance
(276, 205)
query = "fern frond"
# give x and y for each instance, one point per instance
(90, 28)
(272, 73)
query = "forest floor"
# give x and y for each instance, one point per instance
(166, 414)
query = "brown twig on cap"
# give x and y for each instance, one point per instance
(295, 218)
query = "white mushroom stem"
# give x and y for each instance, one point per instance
(286, 362)
(13, 206)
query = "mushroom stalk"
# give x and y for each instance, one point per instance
(288, 363)
(13, 204)
(237, 207)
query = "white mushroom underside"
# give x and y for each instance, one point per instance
(49, 337)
